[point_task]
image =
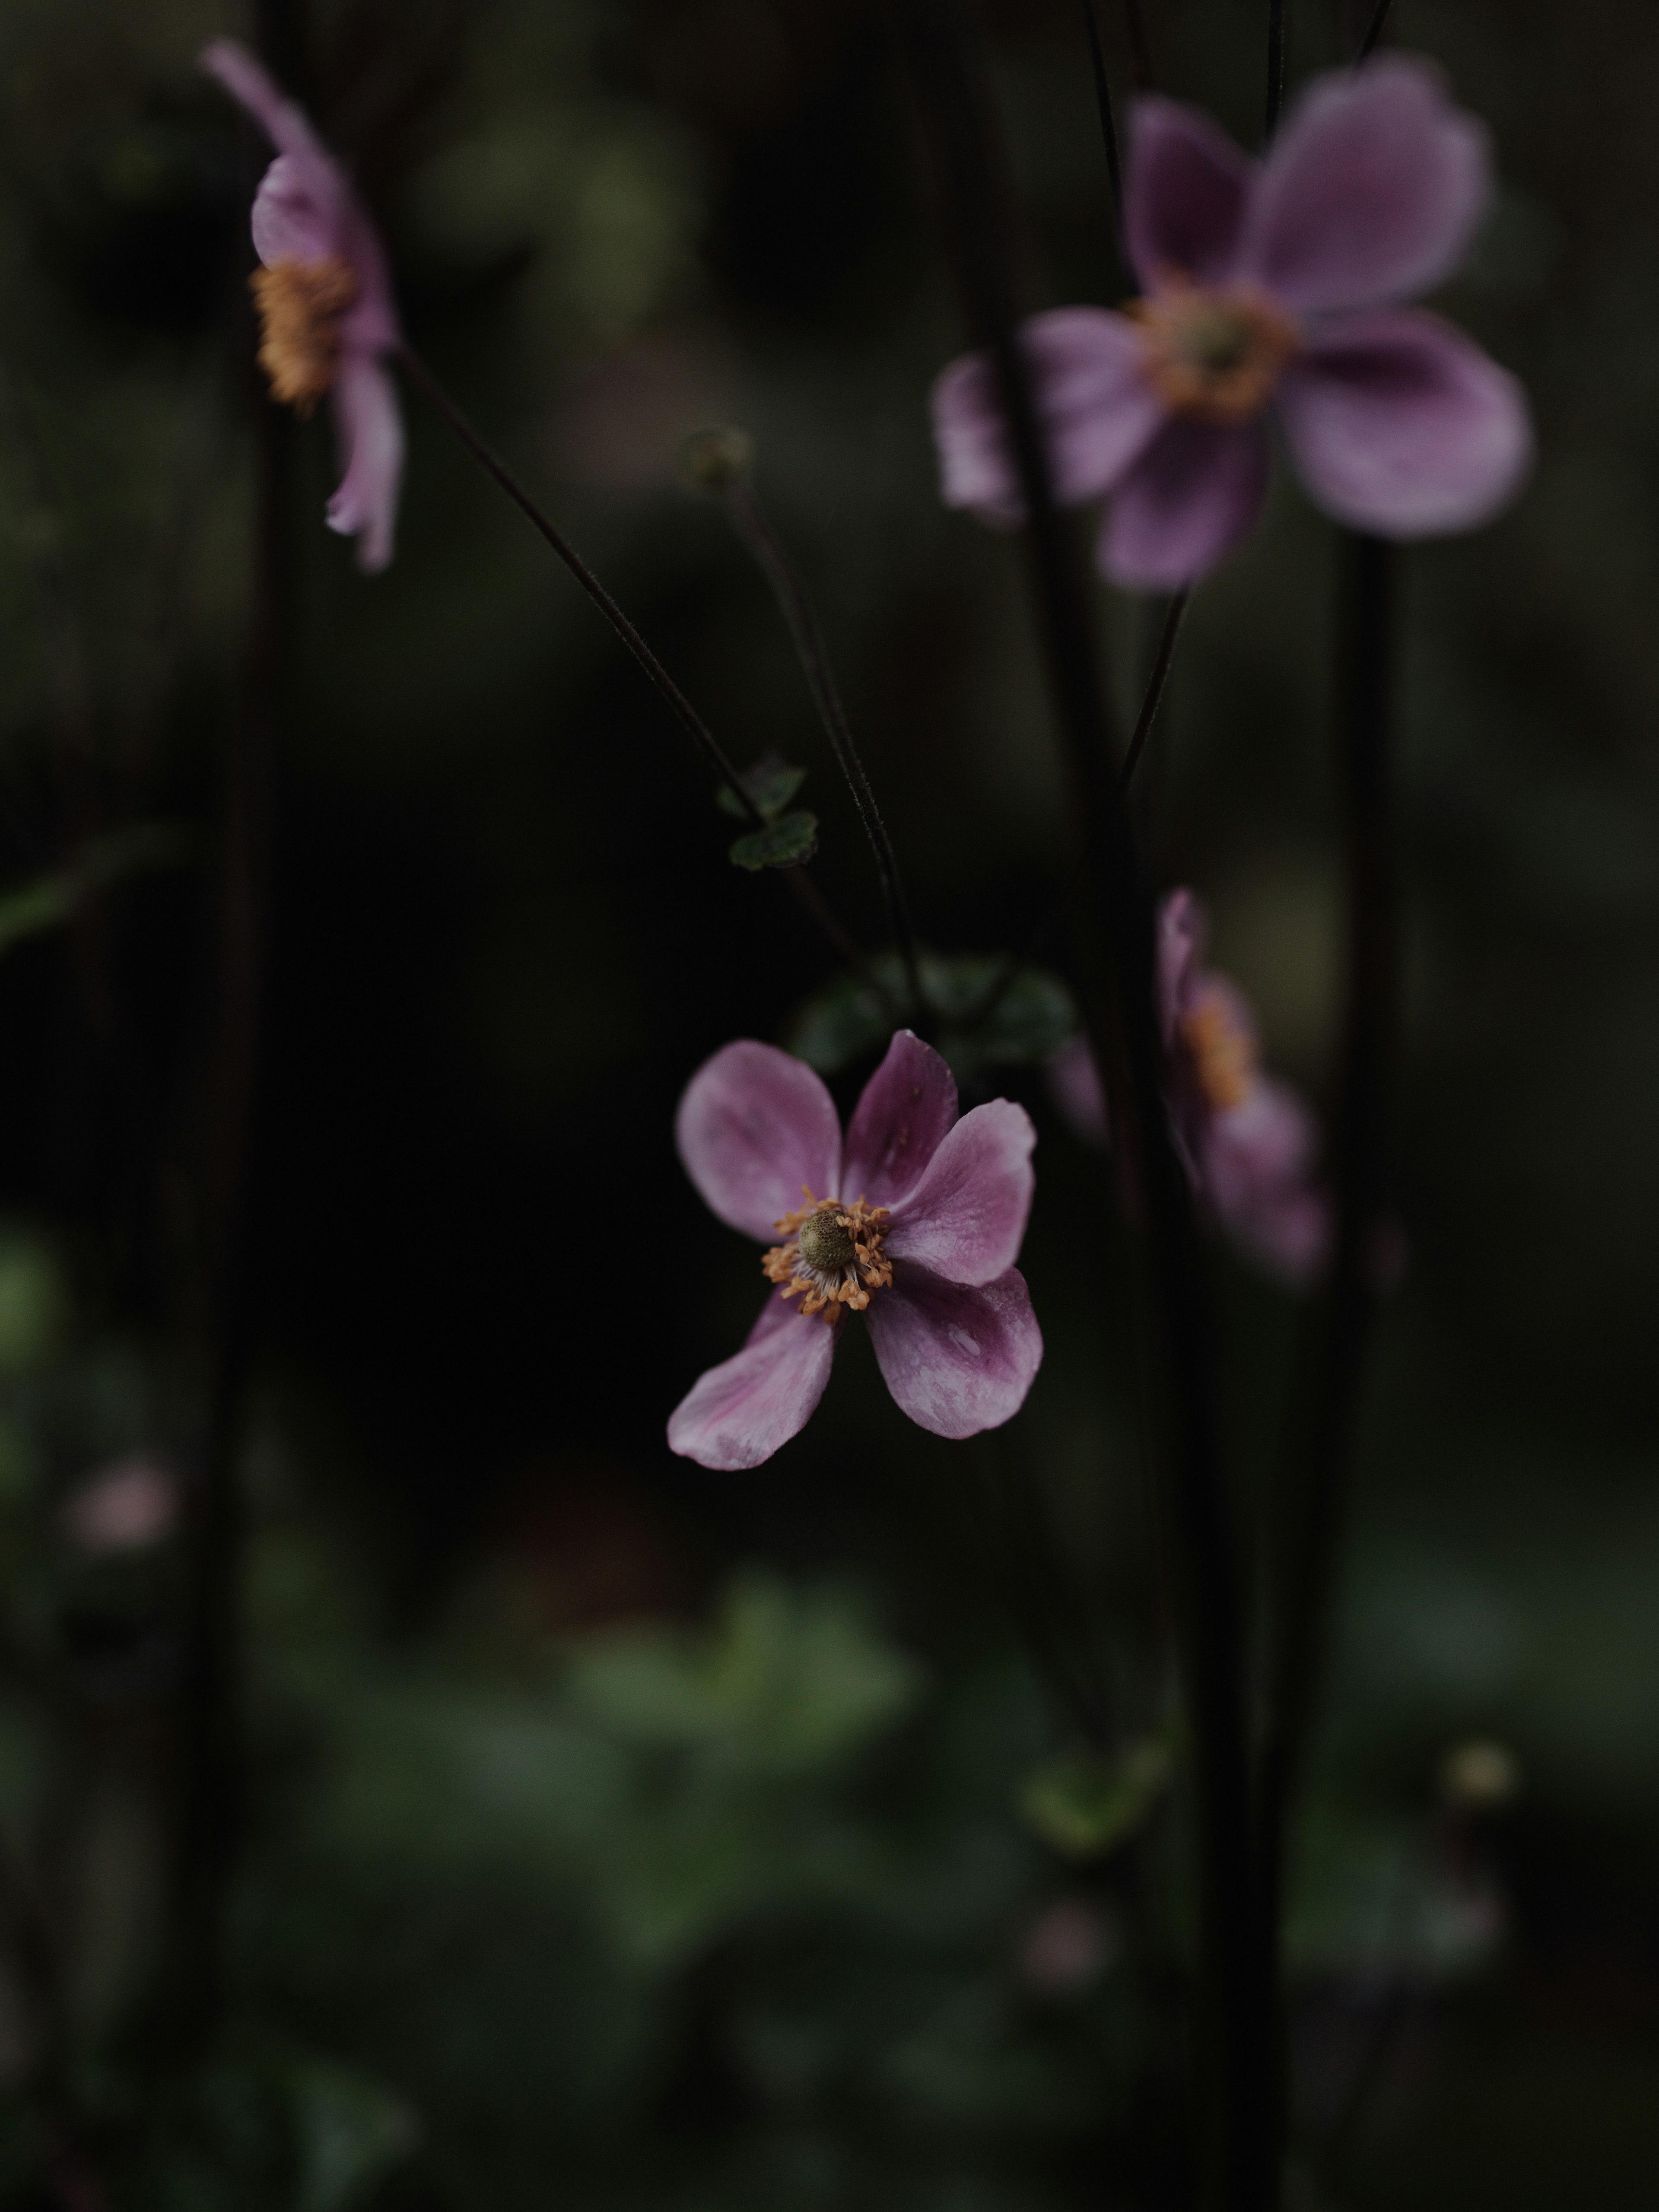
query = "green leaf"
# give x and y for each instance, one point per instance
(783, 844)
(34, 907)
(1085, 1805)
(348, 2130)
(770, 784)
(981, 1017)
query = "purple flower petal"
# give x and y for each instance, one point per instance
(1371, 193)
(369, 426)
(300, 210)
(1074, 1085)
(1188, 500)
(246, 79)
(740, 1412)
(1184, 195)
(1183, 930)
(957, 1359)
(907, 1107)
(965, 1218)
(1400, 424)
(1258, 1176)
(754, 1125)
(1098, 409)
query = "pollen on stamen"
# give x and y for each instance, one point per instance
(832, 1258)
(300, 304)
(1224, 1052)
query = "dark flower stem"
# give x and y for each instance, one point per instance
(1277, 11)
(1238, 2035)
(806, 893)
(1151, 700)
(1108, 122)
(1311, 1507)
(753, 525)
(1373, 30)
(1140, 47)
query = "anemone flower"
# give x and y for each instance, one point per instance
(1250, 1141)
(323, 296)
(915, 1221)
(1267, 287)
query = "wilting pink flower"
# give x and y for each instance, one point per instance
(1279, 285)
(325, 306)
(915, 1221)
(1250, 1142)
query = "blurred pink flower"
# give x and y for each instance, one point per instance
(1251, 1141)
(1278, 283)
(126, 1506)
(927, 1246)
(325, 306)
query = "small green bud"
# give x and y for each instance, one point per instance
(718, 459)
(824, 1243)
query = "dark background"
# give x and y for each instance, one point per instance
(558, 1882)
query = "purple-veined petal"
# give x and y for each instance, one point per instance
(740, 1412)
(1189, 499)
(899, 1123)
(754, 1125)
(300, 210)
(369, 426)
(1400, 424)
(246, 79)
(956, 1358)
(964, 1219)
(1185, 194)
(1371, 193)
(1096, 405)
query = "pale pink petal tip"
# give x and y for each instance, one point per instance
(959, 1358)
(742, 1411)
(247, 80)
(370, 426)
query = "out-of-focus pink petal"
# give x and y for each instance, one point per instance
(369, 426)
(899, 1123)
(1257, 1171)
(1075, 1087)
(957, 1359)
(246, 79)
(370, 325)
(1184, 195)
(1096, 408)
(1400, 424)
(740, 1412)
(300, 210)
(964, 1219)
(754, 1125)
(1371, 193)
(1193, 495)
(1183, 931)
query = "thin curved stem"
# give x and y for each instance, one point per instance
(1373, 30)
(1107, 123)
(753, 525)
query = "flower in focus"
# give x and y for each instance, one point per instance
(915, 1221)
(1279, 285)
(326, 315)
(1250, 1141)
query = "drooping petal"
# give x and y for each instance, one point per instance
(754, 1125)
(299, 211)
(1185, 194)
(958, 1359)
(1189, 499)
(964, 1219)
(899, 1123)
(369, 426)
(1371, 193)
(1096, 405)
(246, 79)
(1399, 424)
(1258, 1174)
(740, 1412)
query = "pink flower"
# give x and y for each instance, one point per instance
(1250, 1142)
(1274, 283)
(325, 306)
(126, 1506)
(916, 1222)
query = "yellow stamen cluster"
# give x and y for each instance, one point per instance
(300, 304)
(1224, 1052)
(1215, 355)
(832, 1257)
